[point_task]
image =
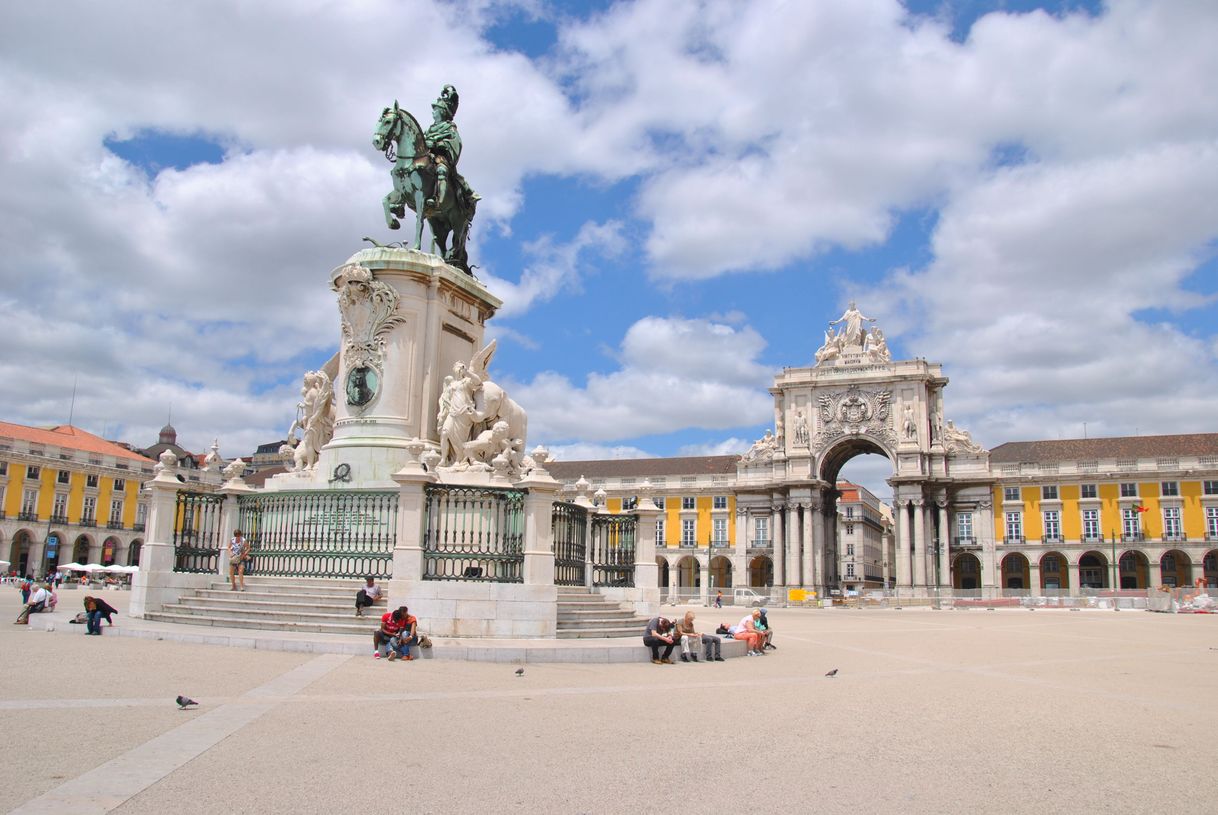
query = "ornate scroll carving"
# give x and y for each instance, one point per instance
(855, 412)
(369, 312)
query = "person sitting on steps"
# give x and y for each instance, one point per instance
(659, 633)
(690, 636)
(366, 596)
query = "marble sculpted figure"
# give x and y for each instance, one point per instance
(957, 439)
(314, 419)
(480, 426)
(853, 343)
(762, 450)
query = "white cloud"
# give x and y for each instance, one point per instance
(675, 373)
(555, 267)
(726, 447)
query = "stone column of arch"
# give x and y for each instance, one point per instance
(740, 554)
(791, 545)
(919, 541)
(674, 577)
(811, 513)
(900, 517)
(779, 553)
(704, 573)
(945, 574)
(1033, 575)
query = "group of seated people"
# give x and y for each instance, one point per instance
(661, 632)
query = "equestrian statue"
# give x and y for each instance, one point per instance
(425, 176)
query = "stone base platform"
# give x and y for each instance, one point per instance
(445, 648)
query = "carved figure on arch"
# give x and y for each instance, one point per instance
(908, 425)
(957, 439)
(852, 325)
(801, 429)
(762, 449)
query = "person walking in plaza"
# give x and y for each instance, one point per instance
(719, 599)
(690, 639)
(746, 630)
(238, 554)
(660, 633)
(366, 596)
(27, 586)
(95, 609)
(38, 597)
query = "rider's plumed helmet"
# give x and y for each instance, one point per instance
(448, 101)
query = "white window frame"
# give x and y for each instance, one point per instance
(116, 510)
(1209, 487)
(88, 511)
(1091, 525)
(1211, 523)
(1014, 526)
(1083, 489)
(1131, 523)
(719, 530)
(29, 500)
(1129, 489)
(964, 525)
(688, 503)
(1169, 489)
(1048, 492)
(761, 530)
(719, 502)
(1010, 494)
(658, 501)
(1053, 525)
(689, 532)
(60, 509)
(1172, 525)
(660, 532)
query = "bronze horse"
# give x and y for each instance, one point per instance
(400, 138)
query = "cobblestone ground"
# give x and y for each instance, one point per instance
(931, 711)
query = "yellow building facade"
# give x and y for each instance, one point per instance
(67, 495)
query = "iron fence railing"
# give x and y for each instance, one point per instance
(338, 534)
(197, 534)
(474, 533)
(613, 550)
(570, 526)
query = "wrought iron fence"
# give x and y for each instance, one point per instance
(613, 549)
(320, 534)
(474, 533)
(197, 534)
(570, 525)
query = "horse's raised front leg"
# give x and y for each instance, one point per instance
(389, 202)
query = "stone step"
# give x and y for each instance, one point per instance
(584, 625)
(616, 615)
(292, 587)
(311, 627)
(603, 633)
(251, 593)
(278, 602)
(254, 615)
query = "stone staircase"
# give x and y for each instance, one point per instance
(583, 614)
(310, 605)
(327, 606)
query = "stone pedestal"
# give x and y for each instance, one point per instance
(156, 583)
(407, 317)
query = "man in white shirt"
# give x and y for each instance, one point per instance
(37, 602)
(366, 596)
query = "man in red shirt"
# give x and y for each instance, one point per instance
(398, 631)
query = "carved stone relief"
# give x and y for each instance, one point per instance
(854, 411)
(369, 312)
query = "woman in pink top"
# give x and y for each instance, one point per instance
(745, 630)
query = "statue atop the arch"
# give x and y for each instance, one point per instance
(853, 343)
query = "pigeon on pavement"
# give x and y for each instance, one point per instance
(832, 673)
(520, 671)
(185, 702)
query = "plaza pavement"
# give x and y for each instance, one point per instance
(932, 711)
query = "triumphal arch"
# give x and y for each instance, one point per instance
(853, 400)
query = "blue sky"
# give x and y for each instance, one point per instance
(677, 199)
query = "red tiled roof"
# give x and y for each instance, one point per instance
(644, 467)
(69, 437)
(1186, 444)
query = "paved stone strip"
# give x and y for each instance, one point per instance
(108, 786)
